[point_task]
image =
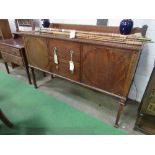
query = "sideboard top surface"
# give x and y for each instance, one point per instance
(109, 44)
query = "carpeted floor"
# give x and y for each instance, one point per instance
(34, 112)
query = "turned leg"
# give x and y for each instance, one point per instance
(33, 77)
(120, 110)
(6, 66)
(5, 120)
(28, 74)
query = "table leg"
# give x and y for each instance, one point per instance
(120, 110)
(28, 74)
(5, 120)
(7, 68)
(33, 77)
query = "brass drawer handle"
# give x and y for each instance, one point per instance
(55, 50)
(71, 63)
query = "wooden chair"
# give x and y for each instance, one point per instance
(4, 119)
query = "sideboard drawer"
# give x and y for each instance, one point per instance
(11, 50)
(64, 48)
(62, 69)
(11, 58)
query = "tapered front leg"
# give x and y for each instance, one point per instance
(33, 77)
(28, 74)
(120, 110)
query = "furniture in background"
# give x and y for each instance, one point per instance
(146, 112)
(102, 22)
(24, 24)
(5, 32)
(5, 29)
(13, 51)
(103, 66)
(4, 119)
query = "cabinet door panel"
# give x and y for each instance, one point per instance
(37, 52)
(106, 68)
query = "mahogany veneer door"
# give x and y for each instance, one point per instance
(37, 53)
(110, 69)
(63, 52)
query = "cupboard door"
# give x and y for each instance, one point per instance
(63, 52)
(107, 68)
(37, 53)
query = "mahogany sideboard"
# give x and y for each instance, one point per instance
(103, 66)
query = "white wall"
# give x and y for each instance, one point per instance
(147, 58)
(12, 25)
(75, 21)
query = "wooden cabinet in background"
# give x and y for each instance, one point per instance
(5, 32)
(13, 51)
(146, 112)
(5, 29)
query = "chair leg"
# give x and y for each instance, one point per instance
(33, 77)
(5, 120)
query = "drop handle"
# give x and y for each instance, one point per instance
(71, 63)
(55, 50)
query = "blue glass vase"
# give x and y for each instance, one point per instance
(46, 23)
(126, 26)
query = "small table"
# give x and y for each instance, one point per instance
(13, 51)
